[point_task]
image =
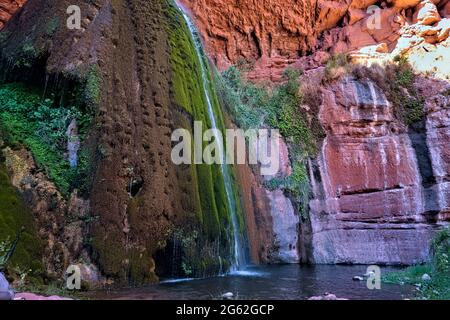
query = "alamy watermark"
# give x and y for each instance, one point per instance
(74, 19)
(373, 277)
(73, 277)
(213, 147)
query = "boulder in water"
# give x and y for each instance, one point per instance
(228, 295)
(426, 277)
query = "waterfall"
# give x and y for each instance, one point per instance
(238, 248)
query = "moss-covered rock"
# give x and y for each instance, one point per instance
(15, 215)
(214, 214)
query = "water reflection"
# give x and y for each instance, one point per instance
(289, 282)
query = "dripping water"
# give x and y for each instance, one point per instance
(238, 248)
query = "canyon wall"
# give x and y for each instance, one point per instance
(380, 189)
(272, 35)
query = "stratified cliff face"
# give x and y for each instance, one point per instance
(8, 8)
(380, 191)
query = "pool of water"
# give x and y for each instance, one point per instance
(287, 282)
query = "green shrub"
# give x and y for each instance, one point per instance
(252, 107)
(284, 113)
(92, 90)
(52, 26)
(396, 80)
(28, 53)
(336, 66)
(243, 100)
(41, 127)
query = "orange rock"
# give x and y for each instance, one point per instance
(445, 11)
(362, 4)
(404, 4)
(427, 13)
(8, 8)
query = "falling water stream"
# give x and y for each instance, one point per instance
(239, 260)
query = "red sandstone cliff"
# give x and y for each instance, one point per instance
(274, 34)
(380, 190)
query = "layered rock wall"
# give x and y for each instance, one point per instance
(374, 201)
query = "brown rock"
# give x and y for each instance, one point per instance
(355, 15)
(445, 11)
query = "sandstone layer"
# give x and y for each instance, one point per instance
(380, 191)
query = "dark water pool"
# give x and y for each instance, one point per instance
(289, 282)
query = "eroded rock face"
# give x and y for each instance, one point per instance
(374, 201)
(272, 222)
(8, 8)
(274, 35)
(60, 223)
(251, 29)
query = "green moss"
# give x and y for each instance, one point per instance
(92, 89)
(15, 215)
(213, 212)
(51, 26)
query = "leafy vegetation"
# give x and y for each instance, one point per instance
(438, 286)
(5, 246)
(41, 126)
(397, 81)
(253, 107)
(244, 101)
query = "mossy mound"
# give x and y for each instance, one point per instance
(15, 215)
(213, 211)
